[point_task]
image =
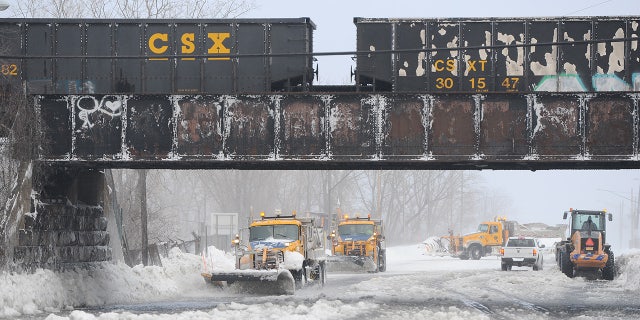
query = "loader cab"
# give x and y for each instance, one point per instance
(587, 221)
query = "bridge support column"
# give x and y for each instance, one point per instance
(66, 226)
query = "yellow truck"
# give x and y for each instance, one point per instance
(358, 245)
(490, 236)
(285, 250)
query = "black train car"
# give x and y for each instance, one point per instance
(499, 54)
(76, 56)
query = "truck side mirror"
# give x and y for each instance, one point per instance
(541, 246)
(610, 216)
(564, 217)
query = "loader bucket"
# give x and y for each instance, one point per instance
(277, 281)
(351, 264)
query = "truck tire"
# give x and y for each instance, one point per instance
(300, 276)
(476, 252)
(608, 272)
(506, 267)
(382, 261)
(565, 264)
(322, 274)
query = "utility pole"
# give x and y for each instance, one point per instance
(461, 201)
(635, 242)
(142, 190)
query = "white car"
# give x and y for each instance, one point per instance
(522, 252)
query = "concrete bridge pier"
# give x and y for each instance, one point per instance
(67, 226)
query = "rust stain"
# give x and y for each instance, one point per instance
(198, 128)
(610, 127)
(558, 133)
(302, 128)
(504, 127)
(406, 132)
(453, 133)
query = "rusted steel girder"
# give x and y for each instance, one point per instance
(343, 131)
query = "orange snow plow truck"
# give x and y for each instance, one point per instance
(283, 250)
(357, 246)
(490, 235)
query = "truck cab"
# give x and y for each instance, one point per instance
(489, 235)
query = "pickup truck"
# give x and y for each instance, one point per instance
(521, 252)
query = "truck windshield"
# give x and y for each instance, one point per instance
(521, 243)
(355, 230)
(280, 232)
(483, 227)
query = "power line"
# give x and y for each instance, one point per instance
(585, 8)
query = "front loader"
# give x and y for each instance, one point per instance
(585, 252)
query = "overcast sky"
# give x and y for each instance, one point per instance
(335, 30)
(536, 196)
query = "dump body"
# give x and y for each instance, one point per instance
(358, 245)
(478, 55)
(152, 56)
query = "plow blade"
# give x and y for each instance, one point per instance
(351, 264)
(256, 281)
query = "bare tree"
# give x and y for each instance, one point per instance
(131, 9)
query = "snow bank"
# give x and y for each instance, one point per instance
(107, 283)
(320, 310)
(219, 260)
(628, 266)
(410, 273)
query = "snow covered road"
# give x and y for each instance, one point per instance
(416, 286)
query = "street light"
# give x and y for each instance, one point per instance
(4, 5)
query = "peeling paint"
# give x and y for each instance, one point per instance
(569, 68)
(587, 37)
(420, 71)
(513, 67)
(616, 58)
(549, 68)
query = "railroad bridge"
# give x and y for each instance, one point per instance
(238, 94)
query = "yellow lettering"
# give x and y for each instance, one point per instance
(444, 83)
(472, 65)
(161, 49)
(511, 84)
(437, 65)
(9, 70)
(218, 47)
(482, 64)
(188, 45)
(451, 65)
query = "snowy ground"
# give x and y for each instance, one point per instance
(416, 286)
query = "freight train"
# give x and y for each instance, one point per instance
(224, 56)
